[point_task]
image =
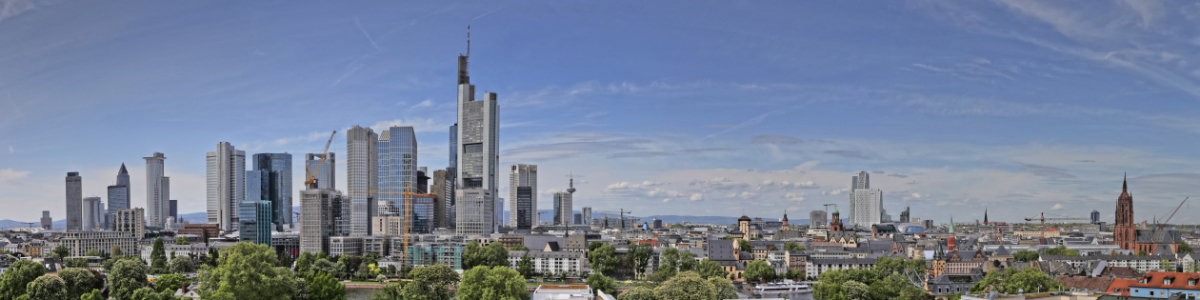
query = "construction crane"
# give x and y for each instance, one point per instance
(311, 181)
(619, 211)
(407, 193)
(1042, 217)
(1164, 223)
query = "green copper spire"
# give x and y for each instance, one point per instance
(951, 224)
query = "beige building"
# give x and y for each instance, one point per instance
(81, 241)
(131, 220)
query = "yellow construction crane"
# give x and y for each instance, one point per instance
(407, 213)
(311, 181)
(620, 211)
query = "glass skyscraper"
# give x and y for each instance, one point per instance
(362, 178)
(276, 173)
(397, 168)
(254, 221)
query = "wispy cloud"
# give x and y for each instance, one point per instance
(368, 35)
(8, 175)
(12, 8)
(848, 154)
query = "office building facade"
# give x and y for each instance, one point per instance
(587, 215)
(477, 155)
(397, 171)
(523, 212)
(521, 175)
(562, 208)
(226, 185)
(255, 185)
(443, 191)
(74, 201)
(326, 171)
(276, 184)
(47, 223)
(118, 194)
(423, 213)
(866, 204)
(131, 220)
(158, 190)
(255, 220)
(316, 219)
(362, 178)
(93, 216)
(818, 219)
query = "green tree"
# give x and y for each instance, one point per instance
(76, 262)
(595, 245)
(432, 282)
(600, 283)
(710, 269)
(93, 295)
(686, 286)
(1025, 256)
(345, 267)
(182, 264)
(158, 257)
(322, 286)
(472, 256)
(1184, 248)
(856, 290)
(126, 276)
(498, 283)
(1166, 265)
(182, 240)
(147, 293)
(170, 282)
(604, 260)
(496, 255)
(116, 251)
(248, 271)
(1010, 281)
(392, 291)
(640, 256)
(687, 261)
(638, 293)
(79, 282)
(60, 251)
(760, 271)
(520, 248)
(1060, 250)
(792, 246)
(724, 288)
(1142, 253)
(326, 266)
(17, 276)
(93, 252)
(305, 262)
(47, 287)
(525, 267)
(745, 246)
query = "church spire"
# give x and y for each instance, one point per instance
(985, 220)
(1125, 183)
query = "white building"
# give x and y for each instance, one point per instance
(158, 190)
(478, 158)
(521, 175)
(81, 241)
(866, 204)
(553, 263)
(93, 213)
(226, 177)
(1141, 263)
(816, 266)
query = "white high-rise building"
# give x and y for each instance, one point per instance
(478, 158)
(362, 179)
(866, 204)
(563, 213)
(92, 214)
(520, 175)
(158, 191)
(226, 178)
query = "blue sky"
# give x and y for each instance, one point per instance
(696, 108)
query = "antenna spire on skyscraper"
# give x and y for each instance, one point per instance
(468, 40)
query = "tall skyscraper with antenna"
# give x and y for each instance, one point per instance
(478, 156)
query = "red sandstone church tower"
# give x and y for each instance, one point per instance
(1124, 232)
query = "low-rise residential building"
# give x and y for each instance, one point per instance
(553, 263)
(818, 265)
(1165, 284)
(1142, 263)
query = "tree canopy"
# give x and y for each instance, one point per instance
(604, 260)
(47, 287)
(248, 271)
(1011, 281)
(1025, 256)
(600, 283)
(158, 257)
(18, 275)
(127, 275)
(79, 282)
(686, 286)
(494, 255)
(890, 278)
(791, 246)
(760, 271)
(500, 283)
(710, 269)
(1060, 250)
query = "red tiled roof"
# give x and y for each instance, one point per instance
(1120, 286)
(1180, 280)
(1084, 282)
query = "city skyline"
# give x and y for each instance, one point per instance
(1036, 109)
